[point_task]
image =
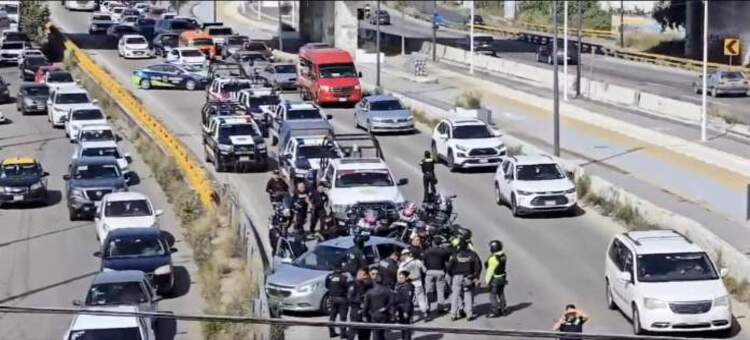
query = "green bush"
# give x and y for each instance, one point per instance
(34, 16)
(469, 100)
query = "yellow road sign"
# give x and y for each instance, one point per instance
(731, 47)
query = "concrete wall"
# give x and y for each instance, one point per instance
(345, 26)
(317, 20)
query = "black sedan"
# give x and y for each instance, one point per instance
(22, 180)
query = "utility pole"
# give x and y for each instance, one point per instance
(215, 20)
(403, 35)
(377, 45)
(260, 8)
(704, 111)
(565, 51)
(281, 41)
(555, 85)
(434, 30)
(578, 52)
(622, 24)
(471, 38)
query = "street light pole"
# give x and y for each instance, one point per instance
(377, 45)
(215, 20)
(434, 30)
(704, 111)
(565, 51)
(403, 35)
(281, 41)
(471, 38)
(622, 24)
(555, 88)
(578, 52)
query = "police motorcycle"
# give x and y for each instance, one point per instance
(438, 210)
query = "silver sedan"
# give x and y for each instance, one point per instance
(383, 113)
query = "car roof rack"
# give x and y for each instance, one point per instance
(351, 145)
(627, 235)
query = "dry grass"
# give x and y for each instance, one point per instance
(469, 100)
(644, 41)
(423, 118)
(722, 112)
(612, 205)
(515, 150)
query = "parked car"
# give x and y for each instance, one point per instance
(32, 98)
(96, 132)
(41, 73)
(10, 52)
(144, 249)
(100, 22)
(22, 180)
(664, 282)
(382, 113)
(165, 42)
(146, 26)
(88, 180)
(173, 25)
(87, 326)
(723, 82)
(531, 184)
(125, 210)
(80, 116)
(120, 288)
(281, 76)
(133, 46)
(467, 143)
(131, 20)
(233, 43)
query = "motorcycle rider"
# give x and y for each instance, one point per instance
(377, 304)
(337, 284)
(435, 259)
(416, 270)
(276, 188)
(355, 296)
(427, 165)
(464, 267)
(403, 305)
(496, 278)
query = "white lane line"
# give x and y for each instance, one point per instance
(412, 167)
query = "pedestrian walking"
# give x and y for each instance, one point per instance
(318, 202)
(337, 284)
(496, 278)
(377, 304)
(276, 188)
(464, 267)
(389, 269)
(429, 180)
(416, 271)
(571, 321)
(435, 260)
(403, 305)
(355, 296)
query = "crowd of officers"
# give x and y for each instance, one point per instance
(406, 282)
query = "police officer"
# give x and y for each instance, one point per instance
(416, 270)
(377, 304)
(435, 259)
(274, 234)
(337, 284)
(355, 295)
(464, 267)
(403, 306)
(428, 176)
(318, 201)
(495, 278)
(389, 269)
(300, 206)
(276, 188)
(357, 259)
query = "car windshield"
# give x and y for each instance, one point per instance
(191, 53)
(15, 36)
(118, 10)
(538, 172)
(72, 98)
(203, 42)
(146, 22)
(97, 135)
(386, 105)
(93, 171)
(131, 333)
(263, 100)
(226, 131)
(136, 40)
(220, 31)
(255, 46)
(36, 91)
(732, 76)
(130, 19)
(132, 208)
(87, 115)
(237, 40)
(181, 25)
(116, 293)
(169, 40)
(235, 86)
(60, 77)
(135, 246)
(13, 170)
(251, 57)
(483, 40)
(337, 71)
(471, 132)
(37, 61)
(285, 69)
(10, 9)
(359, 178)
(322, 258)
(310, 151)
(100, 152)
(675, 267)
(12, 46)
(124, 29)
(303, 114)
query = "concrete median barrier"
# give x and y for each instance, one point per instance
(678, 109)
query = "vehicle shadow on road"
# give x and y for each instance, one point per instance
(181, 283)
(556, 214)
(166, 329)
(53, 197)
(97, 42)
(433, 336)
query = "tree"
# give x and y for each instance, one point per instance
(34, 16)
(541, 12)
(670, 13)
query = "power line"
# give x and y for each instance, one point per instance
(313, 323)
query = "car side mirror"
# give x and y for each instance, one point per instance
(723, 272)
(359, 74)
(128, 158)
(94, 101)
(159, 212)
(45, 174)
(77, 302)
(66, 177)
(403, 181)
(64, 119)
(286, 260)
(624, 276)
(497, 133)
(329, 116)
(509, 176)
(117, 138)
(131, 178)
(173, 250)
(97, 254)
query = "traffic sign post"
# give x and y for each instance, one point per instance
(731, 48)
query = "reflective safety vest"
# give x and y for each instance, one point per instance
(495, 267)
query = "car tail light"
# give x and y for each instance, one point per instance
(722, 82)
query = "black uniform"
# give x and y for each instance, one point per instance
(273, 236)
(572, 325)
(388, 272)
(377, 305)
(464, 267)
(318, 201)
(356, 261)
(337, 284)
(403, 306)
(428, 177)
(356, 296)
(276, 189)
(299, 209)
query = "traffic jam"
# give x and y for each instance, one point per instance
(345, 241)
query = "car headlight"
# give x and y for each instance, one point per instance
(308, 288)
(77, 193)
(28, 101)
(524, 193)
(226, 147)
(461, 148)
(722, 301)
(570, 191)
(651, 303)
(165, 269)
(325, 88)
(499, 146)
(36, 186)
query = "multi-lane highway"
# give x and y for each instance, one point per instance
(553, 260)
(45, 259)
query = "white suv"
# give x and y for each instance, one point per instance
(665, 283)
(534, 184)
(133, 46)
(467, 143)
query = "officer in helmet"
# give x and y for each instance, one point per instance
(357, 257)
(464, 267)
(496, 278)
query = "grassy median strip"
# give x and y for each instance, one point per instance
(226, 277)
